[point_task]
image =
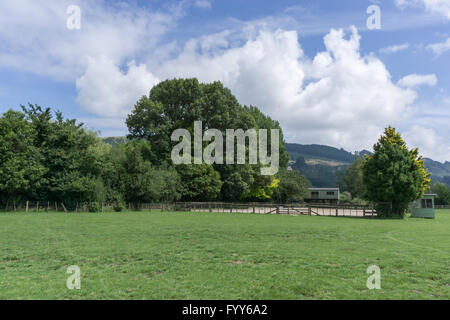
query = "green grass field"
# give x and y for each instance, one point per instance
(153, 255)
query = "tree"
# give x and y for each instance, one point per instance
(200, 182)
(442, 192)
(20, 168)
(177, 104)
(394, 175)
(353, 178)
(293, 187)
(70, 155)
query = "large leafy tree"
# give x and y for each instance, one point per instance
(178, 103)
(72, 156)
(20, 169)
(394, 175)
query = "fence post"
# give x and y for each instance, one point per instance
(309, 210)
(337, 210)
(26, 210)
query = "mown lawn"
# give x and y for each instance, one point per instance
(153, 255)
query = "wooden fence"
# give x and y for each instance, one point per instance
(338, 210)
(440, 206)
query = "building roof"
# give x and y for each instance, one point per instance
(323, 189)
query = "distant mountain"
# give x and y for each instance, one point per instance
(323, 165)
(115, 140)
(316, 151)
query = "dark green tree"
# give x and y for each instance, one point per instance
(178, 103)
(293, 187)
(442, 192)
(20, 169)
(394, 175)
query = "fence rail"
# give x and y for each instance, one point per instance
(338, 210)
(440, 206)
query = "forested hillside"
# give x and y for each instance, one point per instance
(324, 165)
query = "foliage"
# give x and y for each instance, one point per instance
(94, 207)
(320, 175)
(353, 178)
(442, 192)
(293, 187)
(200, 182)
(119, 203)
(394, 175)
(178, 103)
(20, 168)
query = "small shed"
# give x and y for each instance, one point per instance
(424, 207)
(330, 195)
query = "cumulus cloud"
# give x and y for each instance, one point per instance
(440, 47)
(428, 141)
(395, 48)
(338, 97)
(441, 7)
(414, 80)
(107, 91)
(35, 37)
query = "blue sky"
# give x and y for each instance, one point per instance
(313, 65)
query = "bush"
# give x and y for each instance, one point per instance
(94, 207)
(119, 204)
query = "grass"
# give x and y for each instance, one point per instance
(154, 255)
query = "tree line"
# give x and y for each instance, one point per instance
(46, 157)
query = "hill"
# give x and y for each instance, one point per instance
(323, 165)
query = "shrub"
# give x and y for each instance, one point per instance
(94, 207)
(119, 204)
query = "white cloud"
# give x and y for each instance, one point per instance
(395, 48)
(107, 91)
(339, 97)
(414, 80)
(440, 48)
(35, 38)
(429, 142)
(206, 4)
(441, 7)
